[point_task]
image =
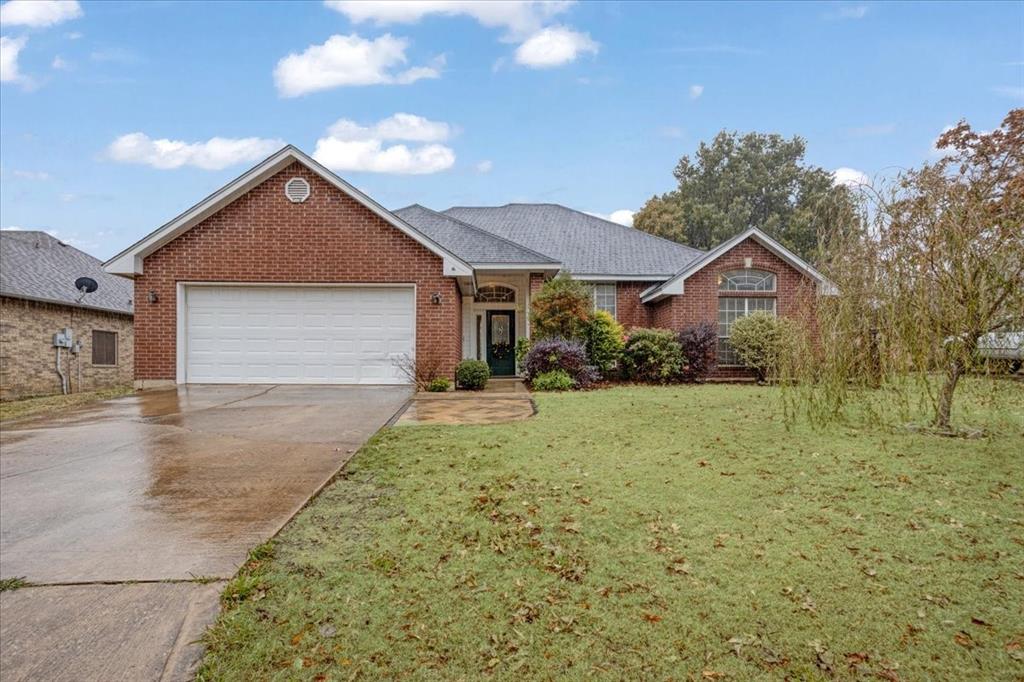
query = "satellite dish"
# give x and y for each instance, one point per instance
(86, 285)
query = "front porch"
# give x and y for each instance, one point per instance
(494, 318)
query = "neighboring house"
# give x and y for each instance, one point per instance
(289, 274)
(38, 299)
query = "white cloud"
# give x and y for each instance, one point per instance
(674, 132)
(214, 154)
(30, 175)
(397, 127)
(623, 216)
(485, 166)
(554, 46)
(696, 91)
(60, 63)
(349, 146)
(848, 12)
(518, 17)
(9, 49)
(1011, 91)
(38, 13)
(349, 60)
(850, 177)
(74, 35)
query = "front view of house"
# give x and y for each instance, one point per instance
(289, 274)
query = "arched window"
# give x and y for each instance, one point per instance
(495, 293)
(746, 280)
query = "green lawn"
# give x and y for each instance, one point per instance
(49, 404)
(659, 533)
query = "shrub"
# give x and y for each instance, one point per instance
(760, 340)
(439, 385)
(652, 355)
(555, 380)
(699, 344)
(522, 348)
(602, 336)
(420, 372)
(548, 355)
(560, 309)
(472, 374)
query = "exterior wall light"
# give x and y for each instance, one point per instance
(153, 298)
(435, 298)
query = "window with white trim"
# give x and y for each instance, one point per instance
(730, 309)
(747, 279)
(604, 297)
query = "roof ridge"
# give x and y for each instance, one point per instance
(482, 231)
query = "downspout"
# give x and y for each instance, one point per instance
(60, 372)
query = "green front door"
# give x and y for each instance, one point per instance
(501, 334)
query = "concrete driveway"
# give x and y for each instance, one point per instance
(125, 511)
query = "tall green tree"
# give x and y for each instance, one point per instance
(742, 181)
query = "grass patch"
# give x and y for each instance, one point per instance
(34, 407)
(657, 533)
(8, 584)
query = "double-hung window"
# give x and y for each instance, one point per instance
(604, 297)
(732, 305)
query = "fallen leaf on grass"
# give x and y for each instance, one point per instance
(652, 618)
(964, 639)
(712, 675)
(979, 621)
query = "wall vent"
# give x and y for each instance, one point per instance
(297, 190)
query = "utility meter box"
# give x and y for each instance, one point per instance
(63, 338)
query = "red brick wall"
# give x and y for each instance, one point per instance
(263, 237)
(699, 301)
(629, 310)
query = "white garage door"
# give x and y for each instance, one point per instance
(298, 334)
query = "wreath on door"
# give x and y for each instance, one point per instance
(500, 351)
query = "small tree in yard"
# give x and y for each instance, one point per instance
(560, 309)
(936, 262)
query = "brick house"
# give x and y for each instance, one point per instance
(288, 274)
(38, 299)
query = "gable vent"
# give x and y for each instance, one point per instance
(297, 190)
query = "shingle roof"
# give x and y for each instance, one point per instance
(584, 244)
(468, 242)
(38, 266)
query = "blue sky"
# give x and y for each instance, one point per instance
(108, 110)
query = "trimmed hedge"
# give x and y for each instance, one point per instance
(472, 374)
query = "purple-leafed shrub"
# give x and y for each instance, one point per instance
(699, 343)
(547, 355)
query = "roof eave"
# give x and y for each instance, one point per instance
(70, 304)
(675, 285)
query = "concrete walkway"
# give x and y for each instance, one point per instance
(503, 400)
(129, 515)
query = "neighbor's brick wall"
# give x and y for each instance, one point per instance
(699, 301)
(262, 237)
(28, 359)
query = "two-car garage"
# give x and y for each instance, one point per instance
(295, 334)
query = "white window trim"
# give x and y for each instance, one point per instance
(593, 296)
(746, 311)
(775, 281)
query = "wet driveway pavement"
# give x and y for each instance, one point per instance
(107, 504)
